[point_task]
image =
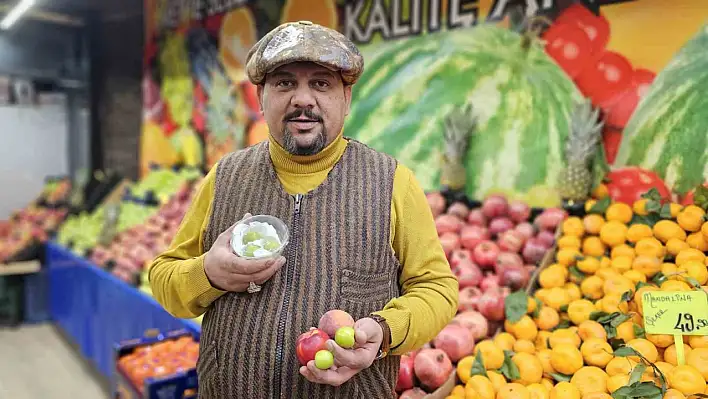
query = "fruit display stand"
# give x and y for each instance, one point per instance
(97, 310)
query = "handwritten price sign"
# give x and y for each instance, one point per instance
(675, 313)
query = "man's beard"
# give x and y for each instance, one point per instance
(291, 145)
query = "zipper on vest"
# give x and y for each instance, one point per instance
(294, 235)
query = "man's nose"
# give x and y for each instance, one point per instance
(303, 97)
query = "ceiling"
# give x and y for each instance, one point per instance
(75, 11)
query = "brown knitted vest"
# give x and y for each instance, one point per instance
(339, 257)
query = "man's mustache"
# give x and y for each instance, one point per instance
(300, 112)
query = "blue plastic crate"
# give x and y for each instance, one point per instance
(37, 297)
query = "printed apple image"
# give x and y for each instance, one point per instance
(309, 343)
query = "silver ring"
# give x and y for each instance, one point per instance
(253, 288)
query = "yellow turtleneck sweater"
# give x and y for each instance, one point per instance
(429, 296)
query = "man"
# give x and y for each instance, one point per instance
(363, 240)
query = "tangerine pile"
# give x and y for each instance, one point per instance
(582, 334)
(159, 360)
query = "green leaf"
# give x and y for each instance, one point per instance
(700, 197)
(653, 206)
(645, 389)
(563, 324)
(641, 284)
(561, 377)
(625, 351)
(601, 206)
(650, 219)
(623, 393)
(616, 343)
(692, 281)
(478, 365)
(608, 318)
(638, 331)
(600, 167)
(652, 195)
(659, 278)
(626, 297)
(564, 308)
(636, 374)
(576, 272)
(595, 316)
(539, 305)
(515, 306)
(665, 211)
(619, 320)
(508, 368)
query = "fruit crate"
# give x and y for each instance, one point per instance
(181, 384)
(547, 260)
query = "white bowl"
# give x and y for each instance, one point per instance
(281, 229)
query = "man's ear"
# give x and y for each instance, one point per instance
(259, 93)
(347, 98)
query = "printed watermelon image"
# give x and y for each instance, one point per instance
(522, 102)
(668, 132)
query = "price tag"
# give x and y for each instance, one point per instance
(676, 313)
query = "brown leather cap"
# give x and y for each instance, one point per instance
(304, 41)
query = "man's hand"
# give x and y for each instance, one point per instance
(229, 272)
(348, 362)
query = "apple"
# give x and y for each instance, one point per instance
(333, 320)
(309, 343)
(468, 274)
(472, 235)
(476, 217)
(406, 375)
(511, 241)
(485, 254)
(495, 206)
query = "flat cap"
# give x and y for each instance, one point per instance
(304, 41)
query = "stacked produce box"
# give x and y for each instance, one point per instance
(580, 333)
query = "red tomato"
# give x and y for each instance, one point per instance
(617, 113)
(572, 13)
(606, 79)
(569, 46)
(628, 184)
(611, 138)
(595, 27)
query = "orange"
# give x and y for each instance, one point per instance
(544, 356)
(640, 207)
(670, 354)
(697, 241)
(565, 390)
(589, 265)
(524, 346)
(601, 191)
(557, 298)
(548, 383)
(619, 365)
(573, 226)
(687, 380)
(675, 209)
(568, 256)
(552, 276)
(664, 367)
(611, 303)
(691, 218)
(648, 265)
(620, 212)
(464, 368)
(541, 341)
(573, 291)
(597, 395)
(621, 263)
(590, 379)
(580, 310)
(531, 305)
(492, 355)
(569, 242)
(530, 368)
(237, 35)
(650, 247)
(538, 391)
(592, 287)
(596, 352)
(665, 230)
(698, 341)
(660, 340)
(505, 341)
(482, 386)
(591, 329)
(696, 270)
(589, 204)
(605, 262)
(547, 319)
(564, 337)
(625, 331)
(524, 328)
(674, 246)
(617, 285)
(645, 348)
(617, 381)
(513, 391)
(607, 273)
(497, 380)
(593, 246)
(613, 233)
(457, 392)
(638, 232)
(675, 285)
(638, 296)
(566, 359)
(593, 223)
(698, 358)
(673, 394)
(704, 230)
(622, 250)
(636, 276)
(689, 254)
(321, 12)
(669, 270)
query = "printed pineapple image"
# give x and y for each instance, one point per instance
(459, 127)
(575, 181)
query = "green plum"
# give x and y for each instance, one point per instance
(250, 249)
(345, 337)
(324, 359)
(251, 236)
(270, 244)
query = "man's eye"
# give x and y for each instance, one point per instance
(321, 84)
(284, 83)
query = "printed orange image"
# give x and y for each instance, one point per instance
(322, 12)
(237, 36)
